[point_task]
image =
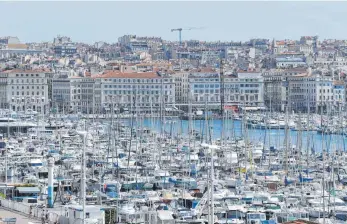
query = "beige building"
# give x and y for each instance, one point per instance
(22, 90)
(145, 92)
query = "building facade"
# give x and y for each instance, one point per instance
(314, 93)
(25, 89)
(61, 94)
(65, 49)
(181, 88)
(75, 94)
(142, 92)
(273, 86)
(244, 89)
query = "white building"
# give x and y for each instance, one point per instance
(9, 40)
(251, 86)
(18, 50)
(289, 62)
(76, 94)
(245, 89)
(181, 87)
(306, 49)
(210, 57)
(273, 86)
(82, 95)
(145, 92)
(314, 92)
(61, 94)
(339, 94)
(25, 89)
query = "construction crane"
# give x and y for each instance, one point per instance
(180, 32)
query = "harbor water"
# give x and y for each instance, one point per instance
(310, 140)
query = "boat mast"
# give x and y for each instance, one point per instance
(323, 156)
(212, 187)
(83, 134)
(286, 143)
(113, 136)
(307, 135)
(270, 131)
(221, 77)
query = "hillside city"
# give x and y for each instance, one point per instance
(150, 131)
(147, 73)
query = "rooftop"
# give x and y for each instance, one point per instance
(302, 75)
(26, 71)
(338, 82)
(118, 74)
(17, 46)
(289, 59)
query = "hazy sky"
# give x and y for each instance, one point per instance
(106, 21)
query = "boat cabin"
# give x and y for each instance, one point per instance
(20, 193)
(165, 217)
(255, 217)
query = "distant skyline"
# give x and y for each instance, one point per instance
(238, 21)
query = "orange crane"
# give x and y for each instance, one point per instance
(180, 31)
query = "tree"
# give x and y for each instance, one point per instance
(110, 215)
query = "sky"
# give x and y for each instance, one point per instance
(238, 21)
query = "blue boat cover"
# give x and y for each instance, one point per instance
(268, 222)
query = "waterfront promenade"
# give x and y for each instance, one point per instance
(21, 219)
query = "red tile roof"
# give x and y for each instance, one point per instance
(302, 75)
(339, 82)
(118, 74)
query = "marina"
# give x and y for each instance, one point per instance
(183, 128)
(142, 169)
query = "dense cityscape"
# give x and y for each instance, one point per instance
(150, 131)
(301, 75)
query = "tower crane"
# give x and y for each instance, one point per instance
(180, 32)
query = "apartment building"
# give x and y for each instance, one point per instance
(312, 92)
(75, 94)
(144, 92)
(181, 88)
(273, 86)
(61, 94)
(243, 89)
(25, 89)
